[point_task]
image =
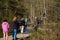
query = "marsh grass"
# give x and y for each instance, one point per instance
(53, 34)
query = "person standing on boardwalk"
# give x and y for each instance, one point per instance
(26, 24)
(5, 28)
(22, 25)
(35, 23)
(14, 28)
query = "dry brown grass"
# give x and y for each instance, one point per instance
(54, 34)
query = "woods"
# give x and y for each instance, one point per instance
(9, 8)
(46, 10)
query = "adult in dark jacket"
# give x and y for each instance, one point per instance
(22, 25)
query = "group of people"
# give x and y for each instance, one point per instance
(15, 26)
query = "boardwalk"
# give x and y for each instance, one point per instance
(18, 36)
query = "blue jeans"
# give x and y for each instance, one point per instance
(14, 33)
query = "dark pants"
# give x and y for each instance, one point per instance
(35, 27)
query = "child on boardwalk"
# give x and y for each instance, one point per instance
(5, 28)
(14, 28)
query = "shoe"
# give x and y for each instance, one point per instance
(12, 39)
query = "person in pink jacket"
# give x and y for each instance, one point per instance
(5, 29)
